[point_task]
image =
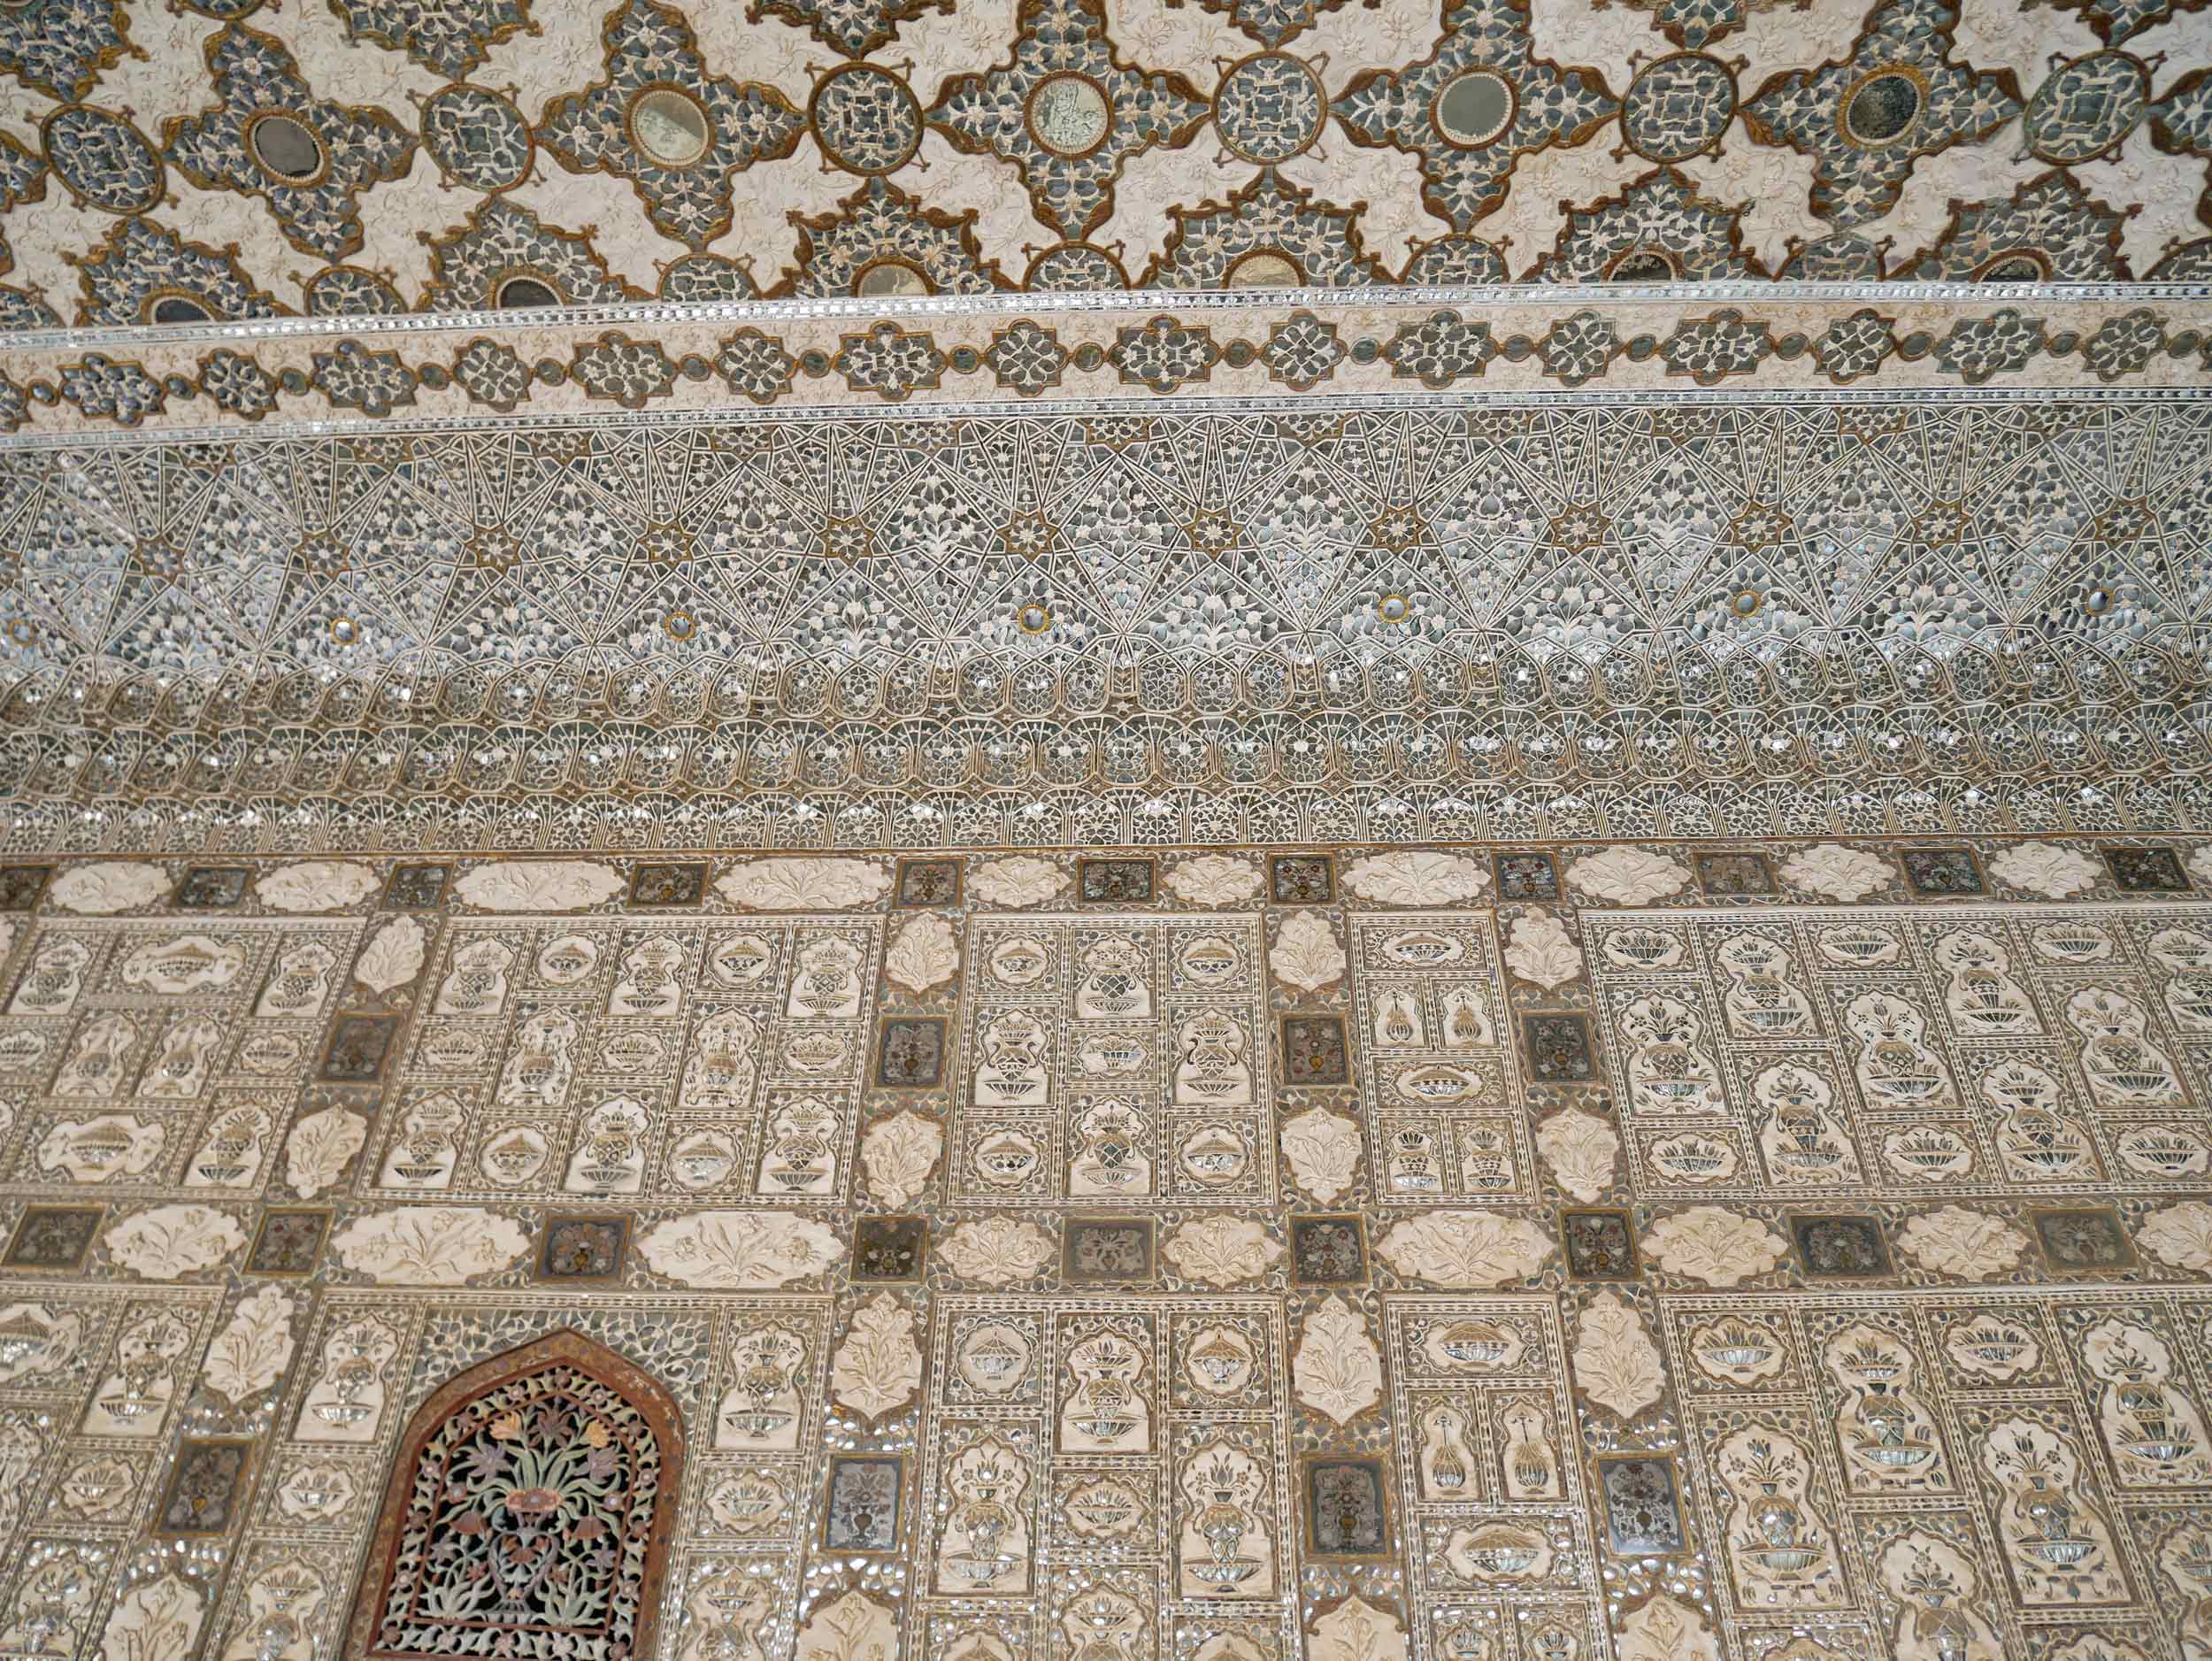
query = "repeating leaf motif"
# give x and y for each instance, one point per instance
(321, 1146)
(1356, 1630)
(1541, 953)
(855, 1627)
(2180, 1236)
(1322, 1148)
(1719, 1248)
(393, 956)
(1615, 1361)
(1337, 1369)
(900, 1153)
(804, 884)
(316, 885)
(923, 955)
(1839, 872)
(1306, 955)
(1015, 881)
(879, 1366)
(1472, 1249)
(1215, 880)
(1628, 875)
(1973, 1245)
(539, 885)
(1661, 1629)
(738, 1250)
(170, 1241)
(997, 1250)
(1581, 1149)
(1417, 877)
(104, 889)
(2047, 869)
(1222, 1250)
(252, 1353)
(429, 1245)
(156, 1620)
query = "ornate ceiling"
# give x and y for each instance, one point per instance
(666, 457)
(227, 159)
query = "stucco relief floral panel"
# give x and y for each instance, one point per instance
(1003, 1255)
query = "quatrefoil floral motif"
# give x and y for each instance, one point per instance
(308, 158)
(1068, 113)
(677, 134)
(1866, 120)
(1474, 106)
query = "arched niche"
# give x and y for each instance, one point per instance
(534, 1493)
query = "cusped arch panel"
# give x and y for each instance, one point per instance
(533, 1500)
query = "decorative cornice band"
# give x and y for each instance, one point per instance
(1108, 351)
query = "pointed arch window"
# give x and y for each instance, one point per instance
(528, 1512)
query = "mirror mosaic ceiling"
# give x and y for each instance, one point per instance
(1229, 831)
(895, 425)
(374, 156)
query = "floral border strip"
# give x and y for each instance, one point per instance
(693, 365)
(1602, 873)
(616, 822)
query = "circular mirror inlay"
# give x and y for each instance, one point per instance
(1882, 108)
(2097, 602)
(891, 278)
(1034, 617)
(1068, 114)
(669, 127)
(679, 625)
(178, 308)
(286, 148)
(515, 294)
(1474, 109)
(344, 630)
(1394, 607)
(1746, 602)
(1262, 268)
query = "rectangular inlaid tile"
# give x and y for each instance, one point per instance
(53, 1236)
(416, 887)
(21, 885)
(1724, 874)
(207, 1487)
(929, 882)
(2151, 870)
(1940, 871)
(861, 1510)
(1302, 878)
(288, 1242)
(1116, 881)
(359, 1047)
(682, 883)
(1525, 876)
(1314, 1050)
